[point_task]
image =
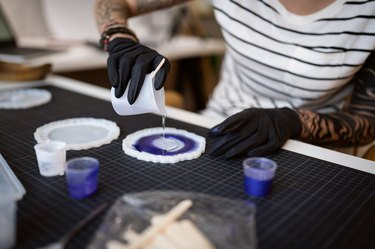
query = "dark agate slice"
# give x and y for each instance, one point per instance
(164, 146)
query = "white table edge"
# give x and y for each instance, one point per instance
(200, 120)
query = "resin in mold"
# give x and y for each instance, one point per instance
(164, 145)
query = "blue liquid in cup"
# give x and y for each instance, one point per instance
(257, 188)
(82, 177)
(258, 176)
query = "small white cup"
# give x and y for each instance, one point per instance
(149, 99)
(51, 158)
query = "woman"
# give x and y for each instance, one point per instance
(300, 69)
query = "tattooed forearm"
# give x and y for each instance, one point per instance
(109, 13)
(338, 129)
(355, 126)
(144, 6)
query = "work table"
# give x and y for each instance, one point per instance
(320, 198)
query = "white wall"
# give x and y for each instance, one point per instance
(71, 19)
(26, 17)
(74, 20)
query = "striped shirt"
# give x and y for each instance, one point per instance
(279, 59)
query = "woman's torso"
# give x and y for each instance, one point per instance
(279, 59)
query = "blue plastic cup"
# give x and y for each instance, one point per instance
(258, 175)
(82, 176)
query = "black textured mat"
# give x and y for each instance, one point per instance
(314, 204)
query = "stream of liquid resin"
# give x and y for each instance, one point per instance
(163, 124)
(164, 143)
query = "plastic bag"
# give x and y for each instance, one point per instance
(225, 222)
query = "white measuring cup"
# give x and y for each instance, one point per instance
(149, 99)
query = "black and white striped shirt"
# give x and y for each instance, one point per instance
(278, 59)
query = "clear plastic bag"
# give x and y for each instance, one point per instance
(225, 222)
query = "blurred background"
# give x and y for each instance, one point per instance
(187, 35)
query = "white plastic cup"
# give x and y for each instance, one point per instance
(149, 99)
(51, 158)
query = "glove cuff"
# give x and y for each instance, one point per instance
(293, 121)
(119, 43)
(106, 35)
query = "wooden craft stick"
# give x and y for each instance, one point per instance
(115, 244)
(185, 235)
(194, 234)
(166, 232)
(152, 231)
(130, 236)
(176, 234)
(160, 242)
(157, 219)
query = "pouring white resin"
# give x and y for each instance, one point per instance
(159, 145)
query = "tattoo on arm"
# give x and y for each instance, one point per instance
(144, 6)
(354, 126)
(110, 13)
(339, 129)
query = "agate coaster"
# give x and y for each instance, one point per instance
(79, 133)
(168, 145)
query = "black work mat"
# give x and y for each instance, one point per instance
(314, 204)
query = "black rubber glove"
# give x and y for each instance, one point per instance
(130, 60)
(254, 132)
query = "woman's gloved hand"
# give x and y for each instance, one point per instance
(130, 60)
(254, 132)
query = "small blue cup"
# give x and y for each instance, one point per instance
(82, 176)
(258, 175)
